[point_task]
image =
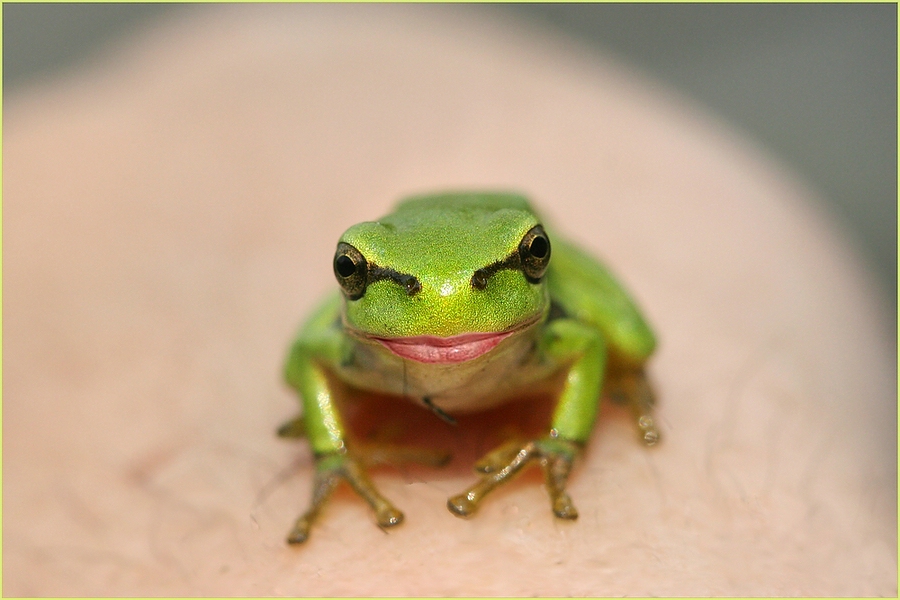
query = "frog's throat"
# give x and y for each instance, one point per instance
(431, 349)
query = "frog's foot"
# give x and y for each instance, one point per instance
(293, 428)
(555, 457)
(647, 430)
(330, 469)
(633, 389)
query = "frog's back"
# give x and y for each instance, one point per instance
(588, 292)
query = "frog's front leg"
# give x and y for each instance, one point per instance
(330, 469)
(581, 348)
(322, 344)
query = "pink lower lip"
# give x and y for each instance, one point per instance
(432, 349)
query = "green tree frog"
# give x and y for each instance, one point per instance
(458, 302)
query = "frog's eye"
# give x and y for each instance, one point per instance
(534, 253)
(351, 270)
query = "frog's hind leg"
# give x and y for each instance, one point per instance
(632, 388)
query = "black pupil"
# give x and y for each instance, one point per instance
(345, 266)
(538, 247)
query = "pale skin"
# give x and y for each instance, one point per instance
(458, 302)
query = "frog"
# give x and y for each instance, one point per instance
(458, 302)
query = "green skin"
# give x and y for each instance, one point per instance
(431, 274)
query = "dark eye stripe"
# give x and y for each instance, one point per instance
(531, 257)
(409, 282)
(355, 274)
(481, 276)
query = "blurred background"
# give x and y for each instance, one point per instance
(815, 84)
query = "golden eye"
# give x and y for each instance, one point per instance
(351, 270)
(534, 253)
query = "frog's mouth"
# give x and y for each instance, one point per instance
(455, 349)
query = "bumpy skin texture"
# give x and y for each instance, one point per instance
(458, 302)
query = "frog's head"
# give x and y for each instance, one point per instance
(445, 278)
